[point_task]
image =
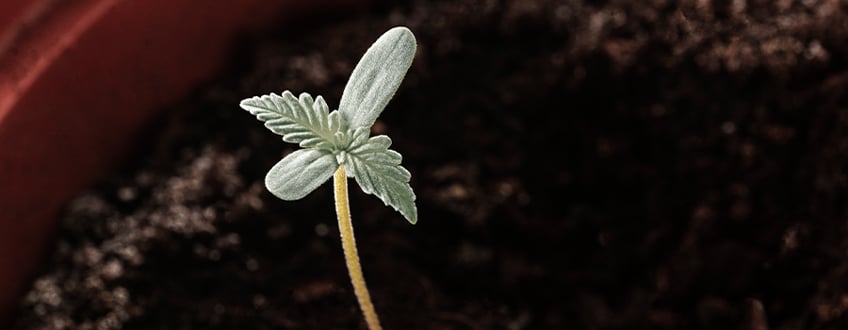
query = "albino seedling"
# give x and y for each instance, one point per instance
(339, 144)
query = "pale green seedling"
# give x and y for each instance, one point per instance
(333, 141)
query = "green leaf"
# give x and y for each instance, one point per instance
(377, 76)
(377, 171)
(300, 173)
(299, 120)
(342, 136)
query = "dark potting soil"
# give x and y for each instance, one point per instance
(601, 165)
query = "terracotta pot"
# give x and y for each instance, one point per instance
(78, 79)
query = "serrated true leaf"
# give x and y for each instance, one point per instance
(342, 136)
(377, 76)
(302, 120)
(300, 172)
(377, 170)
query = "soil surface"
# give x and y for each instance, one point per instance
(598, 165)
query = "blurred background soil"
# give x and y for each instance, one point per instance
(578, 165)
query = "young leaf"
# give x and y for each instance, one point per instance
(342, 136)
(377, 76)
(300, 173)
(377, 170)
(299, 120)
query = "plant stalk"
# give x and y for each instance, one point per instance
(354, 269)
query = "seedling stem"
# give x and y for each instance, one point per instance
(354, 269)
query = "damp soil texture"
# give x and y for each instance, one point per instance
(578, 165)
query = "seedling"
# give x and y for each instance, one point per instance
(334, 141)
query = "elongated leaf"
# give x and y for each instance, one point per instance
(377, 76)
(377, 171)
(299, 120)
(300, 172)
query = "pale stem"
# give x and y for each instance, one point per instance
(349, 247)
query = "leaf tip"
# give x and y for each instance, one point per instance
(246, 103)
(402, 32)
(413, 218)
